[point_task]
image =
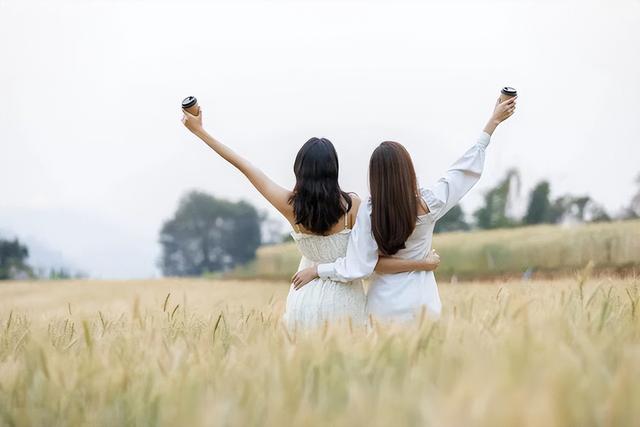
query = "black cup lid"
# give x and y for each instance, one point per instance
(189, 102)
(509, 91)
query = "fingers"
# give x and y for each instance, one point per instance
(509, 112)
(507, 108)
(508, 102)
(298, 281)
(191, 116)
(433, 258)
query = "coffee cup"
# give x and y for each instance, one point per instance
(507, 93)
(190, 105)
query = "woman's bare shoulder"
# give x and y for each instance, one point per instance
(355, 205)
(355, 201)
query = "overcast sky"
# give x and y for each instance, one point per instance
(93, 156)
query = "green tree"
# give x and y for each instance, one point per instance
(494, 213)
(539, 209)
(577, 208)
(597, 213)
(560, 208)
(13, 259)
(452, 221)
(207, 234)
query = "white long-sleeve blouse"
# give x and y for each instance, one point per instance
(401, 296)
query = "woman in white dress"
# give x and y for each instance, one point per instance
(322, 216)
(398, 221)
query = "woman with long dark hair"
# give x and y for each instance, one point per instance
(398, 222)
(322, 216)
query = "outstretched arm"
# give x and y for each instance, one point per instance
(385, 265)
(360, 260)
(466, 171)
(274, 193)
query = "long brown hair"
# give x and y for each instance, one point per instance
(394, 196)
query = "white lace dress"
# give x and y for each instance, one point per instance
(324, 299)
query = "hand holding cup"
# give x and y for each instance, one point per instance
(190, 104)
(192, 114)
(505, 107)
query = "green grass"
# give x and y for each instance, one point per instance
(614, 247)
(196, 353)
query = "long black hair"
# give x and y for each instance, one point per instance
(317, 200)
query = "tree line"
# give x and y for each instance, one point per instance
(208, 234)
(541, 208)
(14, 264)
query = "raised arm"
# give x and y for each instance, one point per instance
(466, 171)
(274, 193)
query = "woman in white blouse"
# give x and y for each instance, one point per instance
(398, 221)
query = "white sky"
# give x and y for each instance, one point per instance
(93, 157)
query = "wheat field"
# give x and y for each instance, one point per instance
(213, 353)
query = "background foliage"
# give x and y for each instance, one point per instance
(207, 234)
